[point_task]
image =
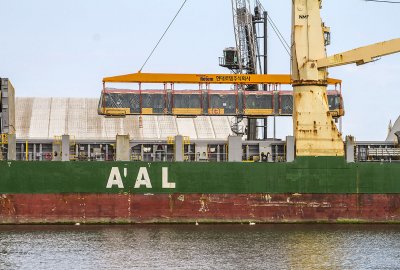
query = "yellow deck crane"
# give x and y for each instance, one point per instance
(314, 129)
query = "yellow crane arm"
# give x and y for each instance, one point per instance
(361, 55)
(205, 78)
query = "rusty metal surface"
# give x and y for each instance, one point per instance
(161, 208)
(313, 125)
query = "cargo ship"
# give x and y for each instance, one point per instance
(172, 156)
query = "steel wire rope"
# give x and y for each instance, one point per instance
(162, 36)
(277, 29)
(278, 33)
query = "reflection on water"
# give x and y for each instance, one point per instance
(200, 247)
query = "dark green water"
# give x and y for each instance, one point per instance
(200, 247)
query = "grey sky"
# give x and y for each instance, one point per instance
(66, 47)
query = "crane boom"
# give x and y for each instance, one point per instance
(361, 55)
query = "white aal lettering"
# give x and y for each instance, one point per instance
(143, 178)
(115, 178)
(165, 183)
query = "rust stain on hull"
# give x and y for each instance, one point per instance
(162, 208)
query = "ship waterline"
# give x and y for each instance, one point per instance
(201, 208)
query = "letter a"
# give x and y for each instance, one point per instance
(115, 178)
(143, 178)
(165, 183)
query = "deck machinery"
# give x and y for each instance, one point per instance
(314, 128)
(7, 118)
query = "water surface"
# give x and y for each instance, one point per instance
(200, 247)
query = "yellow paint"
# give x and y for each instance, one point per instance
(361, 55)
(26, 150)
(170, 140)
(72, 140)
(259, 112)
(337, 113)
(57, 139)
(205, 78)
(117, 111)
(147, 110)
(314, 128)
(216, 111)
(186, 111)
(186, 140)
(4, 139)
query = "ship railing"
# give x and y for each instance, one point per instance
(34, 156)
(189, 157)
(217, 157)
(387, 160)
(168, 157)
(270, 158)
(150, 157)
(383, 152)
(97, 157)
(136, 157)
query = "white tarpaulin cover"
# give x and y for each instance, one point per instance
(45, 118)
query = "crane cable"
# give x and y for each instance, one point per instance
(162, 36)
(274, 27)
(283, 40)
(278, 33)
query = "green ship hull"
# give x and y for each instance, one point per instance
(307, 190)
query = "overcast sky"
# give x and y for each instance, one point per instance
(64, 48)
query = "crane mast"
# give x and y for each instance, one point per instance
(243, 58)
(313, 125)
(245, 37)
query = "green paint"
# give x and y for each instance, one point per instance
(305, 175)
